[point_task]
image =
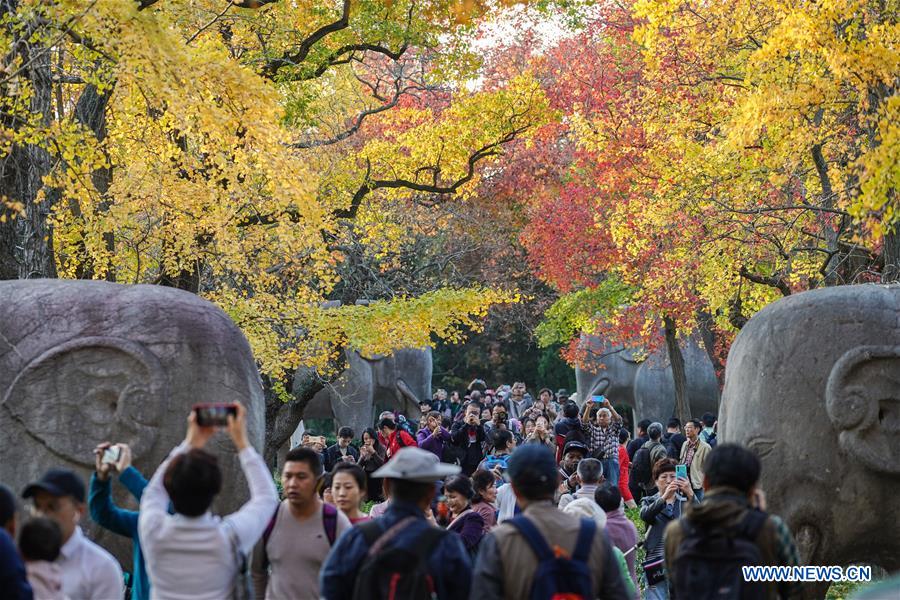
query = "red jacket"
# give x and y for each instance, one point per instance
(398, 439)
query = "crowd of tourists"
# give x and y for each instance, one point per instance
(485, 494)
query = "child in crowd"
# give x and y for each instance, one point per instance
(40, 543)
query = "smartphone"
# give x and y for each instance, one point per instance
(681, 471)
(111, 455)
(598, 399)
(214, 414)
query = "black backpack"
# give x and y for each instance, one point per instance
(708, 563)
(389, 572)
(641, 470)
(671, 448)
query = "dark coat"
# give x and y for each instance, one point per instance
(333, 455)
(459, 437)
(470, 528)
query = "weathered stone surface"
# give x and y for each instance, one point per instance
(812, 385)
(647, 385)
(369, 385)
(82, 362)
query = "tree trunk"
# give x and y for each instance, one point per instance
(90, 111)
(26, 242)
(676, 360)
(708, 335)
(891, 253)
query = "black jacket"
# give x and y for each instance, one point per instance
(459, 437)
(333, 455)
(677, 440)
(635, 445)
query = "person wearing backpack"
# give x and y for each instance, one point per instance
(300, 534)
(673, 439)
(657, 511)
(394, 436)
(544, 552)
(641, 477)
(705, 550)
(400, 555)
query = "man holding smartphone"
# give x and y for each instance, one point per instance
(603, 435)
(109, 459)
(193, 555)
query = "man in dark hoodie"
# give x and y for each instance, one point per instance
(640, 438)
(673, 439)
(468, 435)
(732, 500)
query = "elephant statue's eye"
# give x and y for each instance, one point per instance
(762, 447)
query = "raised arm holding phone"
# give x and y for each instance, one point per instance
(193, 555)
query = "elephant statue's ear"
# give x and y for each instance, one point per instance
(863, 402)
(87, 391)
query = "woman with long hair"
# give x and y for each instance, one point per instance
(371, 457)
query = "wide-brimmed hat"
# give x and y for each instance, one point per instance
(415, 464)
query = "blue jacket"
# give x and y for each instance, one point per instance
(13, 581)
(449, 563)
(124, 522)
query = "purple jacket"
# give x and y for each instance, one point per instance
(434, 444)
(623, 535)
(470, 527)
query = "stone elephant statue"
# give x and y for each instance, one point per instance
(812, 385)
(395, 382)
(82, 362)
(647, 386)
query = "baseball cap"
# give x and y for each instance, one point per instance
(575, 445)
(531, 464)
(562, 393)
(415, 464)
(58, 482)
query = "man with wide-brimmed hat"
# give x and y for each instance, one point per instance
(401, 548)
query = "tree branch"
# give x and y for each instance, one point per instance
(776, 282)
(299, 55)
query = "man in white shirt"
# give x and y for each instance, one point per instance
(88, 571)
(190, 555)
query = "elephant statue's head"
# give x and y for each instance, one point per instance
(812, 385)
(608, 370)
(645, 383)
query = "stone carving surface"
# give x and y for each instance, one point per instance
(646, 385)
(813, 386)
(82, 362)
(395, 382)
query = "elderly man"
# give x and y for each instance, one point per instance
(603, 436)
(403, 530)
(590, 472)
(693, 454)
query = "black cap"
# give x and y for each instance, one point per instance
(562, 393)
(58, 482)
(531, 464)
(575, 445)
